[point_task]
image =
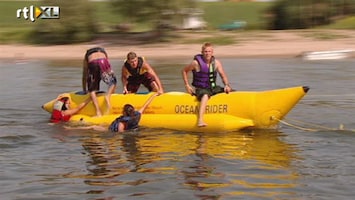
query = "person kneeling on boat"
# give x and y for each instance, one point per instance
(62, 111)
(129, 120)
(137, 71)
(204, 69)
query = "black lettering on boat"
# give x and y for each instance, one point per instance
(225, 108)
(186, 109)
(190, 109)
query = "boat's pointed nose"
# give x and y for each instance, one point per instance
(305, 89)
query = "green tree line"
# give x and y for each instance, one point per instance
(302, 14)
(79, 23)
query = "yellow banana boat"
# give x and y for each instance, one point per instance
(178, 110)
(188, 122)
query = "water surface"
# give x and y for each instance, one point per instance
(42, 161)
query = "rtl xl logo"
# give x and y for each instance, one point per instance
(42, 12)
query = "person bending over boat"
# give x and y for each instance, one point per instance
(136, 71)
(129, 120)
(62, 111)
(96, 67)
(204, 68)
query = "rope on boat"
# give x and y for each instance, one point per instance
(315, 129)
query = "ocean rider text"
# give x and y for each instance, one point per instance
(189, 109)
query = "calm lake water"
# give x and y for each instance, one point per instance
(42, 161)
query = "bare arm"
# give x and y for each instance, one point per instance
(146, 104)
(185, 71)
(124, 76)
(220, 70)
(75, 110)
(151, 71)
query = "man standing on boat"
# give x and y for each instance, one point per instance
(96, 67)
(136, 71)
(204, 69)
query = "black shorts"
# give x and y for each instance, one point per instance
(135, 81)
(200, 92)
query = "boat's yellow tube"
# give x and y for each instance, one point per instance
(258, 106)
(188, 122)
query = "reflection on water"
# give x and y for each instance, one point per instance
(212, 165)
(42, 161)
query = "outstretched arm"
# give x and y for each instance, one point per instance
(75, 110)
(146, 104)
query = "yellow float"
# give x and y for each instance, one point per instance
(178, 110)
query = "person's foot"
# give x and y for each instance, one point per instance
(107, 112)
(201, 124)
(98, 114)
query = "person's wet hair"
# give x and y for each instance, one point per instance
(64, 100)
(128, 110)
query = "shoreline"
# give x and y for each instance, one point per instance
(280, 44)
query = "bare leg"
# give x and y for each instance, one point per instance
(96, 104)
(100, 128)
(110, 91)
(93, 127)
(79, 128)
(202, 110)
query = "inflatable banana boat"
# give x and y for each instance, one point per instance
(178, 110)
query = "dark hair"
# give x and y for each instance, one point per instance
(64, 100)
(128, 110)
(94, 50)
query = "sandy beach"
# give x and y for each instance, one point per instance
(248, 44)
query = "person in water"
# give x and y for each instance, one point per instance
(204, 68)
(62, 110)
(96, 67)
(136, 71)
(129, 120)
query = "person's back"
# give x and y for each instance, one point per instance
(128, 121)
(96, 67)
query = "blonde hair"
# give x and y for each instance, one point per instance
(205, 45)
(131, 55)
